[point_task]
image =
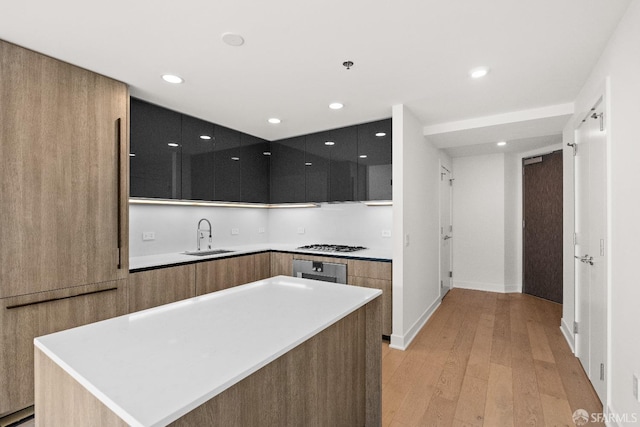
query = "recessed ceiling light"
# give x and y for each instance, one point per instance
(308, 164)
(173, 144)
(266, 153)
(170, 78)
(205, 137)
(329, 143)
(235, 159)
(381, 134)
(132, 154)
(232, 39)
(336, 105)
(501, 143)
(363, 156)
(274, 120)
(479, 72)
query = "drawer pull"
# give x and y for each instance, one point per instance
(10, 307)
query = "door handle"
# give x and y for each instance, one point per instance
(586, 259)
(447, 237)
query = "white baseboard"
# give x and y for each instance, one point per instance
(568, 335)
(401, 342)
(489, 287)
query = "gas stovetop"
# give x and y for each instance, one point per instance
(323, 247)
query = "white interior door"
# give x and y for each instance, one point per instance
(446, 231)
(590, 248)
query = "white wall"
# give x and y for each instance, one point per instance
(338, 223)
(416, 182)
(175, 227)
(620, 62)
(479, 222)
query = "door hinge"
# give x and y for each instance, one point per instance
(441, 284)
(441, 230)
(601, 247)
(451, 182)
(602, 371)
(451, 274)
(575, 327)
(451, 228)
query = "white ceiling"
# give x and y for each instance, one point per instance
(415, 52)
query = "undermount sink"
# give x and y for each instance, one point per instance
(207, 252)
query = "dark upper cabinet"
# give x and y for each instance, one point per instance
(317, 166)
(155, 147)
(374, 161)
(226, 165)
(288, 170)
(197, 159)
(344, 164)
(254, 167)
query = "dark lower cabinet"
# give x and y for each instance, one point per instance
(374, 161)
(155, 153)
(288, 170)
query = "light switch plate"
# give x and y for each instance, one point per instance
(300, 230)
(235, 231)
(386, 233)
(148, 235)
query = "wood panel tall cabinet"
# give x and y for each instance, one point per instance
(64, 210)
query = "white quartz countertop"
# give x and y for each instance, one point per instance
(153, 366)
(159, 260)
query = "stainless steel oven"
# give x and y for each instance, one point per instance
(325, 271)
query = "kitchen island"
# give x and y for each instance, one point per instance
(280, 351)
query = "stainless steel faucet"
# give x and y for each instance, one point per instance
(200, 233)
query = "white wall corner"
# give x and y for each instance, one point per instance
(401, 342)
(567, 331)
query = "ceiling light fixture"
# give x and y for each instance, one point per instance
(501, 143)
(266, 153)
(363, 156)
(171, 78)
(336, 105)
(347, 64)
(233, 39)
(381, 134)
(173, 144)
(274, 120)
(329, 143)
(132, 154)
(235, 159)
(478, 72)
(205, 137)
(308, 164)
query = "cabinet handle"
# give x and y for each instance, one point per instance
(119, 185)
(10, 307)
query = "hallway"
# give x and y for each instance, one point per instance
(486, 359)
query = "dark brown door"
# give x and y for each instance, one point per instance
(542, 213)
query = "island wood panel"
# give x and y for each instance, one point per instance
(64, 203)
(332, 379)
(74, 405)
(281, 264)
(262, 266)
(224, 273)
(386, 298)
(25, 317)
(161, 286)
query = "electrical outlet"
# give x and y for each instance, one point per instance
(300, 230)
(235, 231)
(386, 233)
(148, 235)
(260, 229)
(635, 387)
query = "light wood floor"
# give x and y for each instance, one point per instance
(486, 359)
